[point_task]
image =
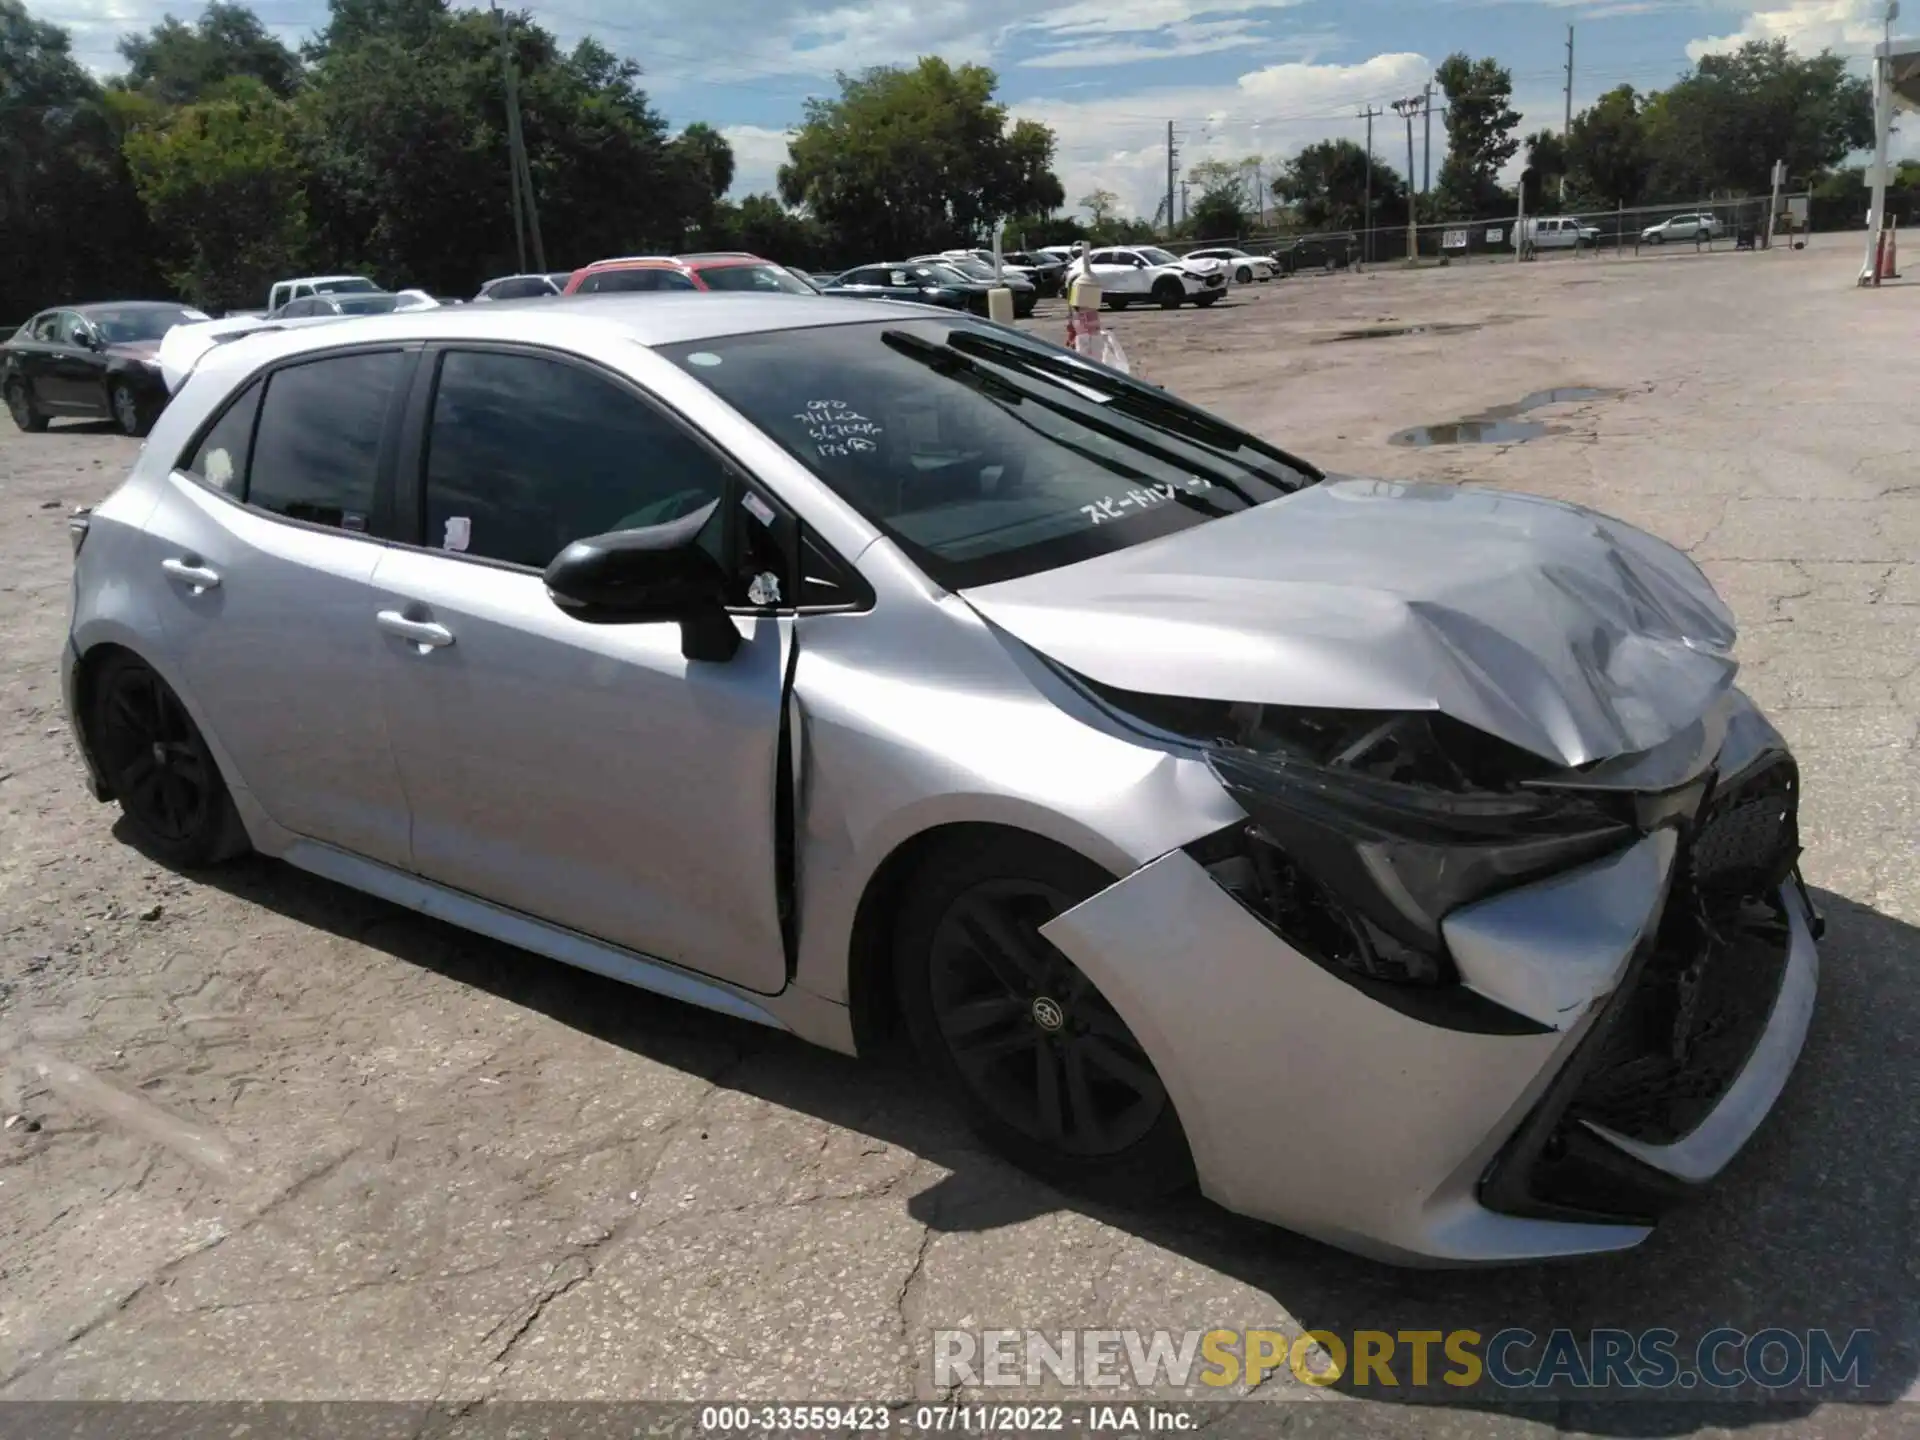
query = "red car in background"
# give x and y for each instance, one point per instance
(729, 270)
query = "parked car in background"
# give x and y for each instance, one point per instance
(298, 289)
(1025, 293)
(524, 287)
(918, 281)
(1701, 225)
(1318, 252)
(91, 361)
(824, 278)
(353, 303)
(1146, 273)
(1243, 266)
(1043, 283)
(1142, 774)
(731, 270)
(1049, 270)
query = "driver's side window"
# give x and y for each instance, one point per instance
(46, 328)
(73, 329)
(526, 454)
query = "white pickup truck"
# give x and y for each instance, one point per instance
(305, 285)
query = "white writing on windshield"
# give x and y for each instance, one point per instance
(1145, 497)
(836, 428)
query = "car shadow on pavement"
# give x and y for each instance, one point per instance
(1816, 1226)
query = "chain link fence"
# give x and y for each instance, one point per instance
(1720, 224)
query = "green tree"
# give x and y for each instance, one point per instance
(71, 227)
(1481, 122)
(1220, 211)
(177, 63)
(408, 156)
(761, 224)
(1720, 128)
(904, 160)
(1326, 187)
(1607, 154)
(223, 181)
(1546, 167)
(1099, 204)
(705, 161)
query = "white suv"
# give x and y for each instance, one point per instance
(1145, 272)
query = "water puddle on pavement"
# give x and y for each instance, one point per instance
(1499, 425)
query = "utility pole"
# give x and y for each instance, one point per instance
(1566, 129)
(1183, 201)
(1172, 155)
(525, 211)
(1426, 162)
(1366, 232)
(1409, 107)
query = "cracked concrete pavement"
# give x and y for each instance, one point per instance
(276, 1139)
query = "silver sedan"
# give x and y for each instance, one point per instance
(1398, 861)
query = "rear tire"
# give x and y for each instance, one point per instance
(127, 411)
(1041, 1065)
(1119, 302)
(1243, 276)
(1169, 294)
(25, 413)
(157, 765)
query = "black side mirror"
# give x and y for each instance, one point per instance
(655, 573)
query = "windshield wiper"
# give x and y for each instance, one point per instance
(949, 361)
(1130, 397)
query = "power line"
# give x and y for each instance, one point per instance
(1366, 230)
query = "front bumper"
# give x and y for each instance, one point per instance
(1431, 1139)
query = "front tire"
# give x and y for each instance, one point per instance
(1043, 1067)
(1168, 294)
(127, 411)
(20, 405)
(157, 765)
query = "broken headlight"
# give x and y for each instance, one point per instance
(1366, 829)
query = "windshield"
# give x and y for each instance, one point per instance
(967, 265)
(367, 304)
(764, 278)
(983, 454)
(351, 285)
(940, 275)
(131, 326)
(1159, 257)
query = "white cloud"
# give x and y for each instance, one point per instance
(1850, 27)
(1119, 143)
(1179, 40)
(758, 154)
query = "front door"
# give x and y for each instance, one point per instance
(263, 536)
(584, 773)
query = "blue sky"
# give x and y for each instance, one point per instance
(1238, 77)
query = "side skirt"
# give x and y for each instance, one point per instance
(511, 927)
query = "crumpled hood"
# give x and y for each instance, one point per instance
(1571, 635)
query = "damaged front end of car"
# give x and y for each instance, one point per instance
(1650, 905)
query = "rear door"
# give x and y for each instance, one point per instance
(31, 353)
(584, 773)
(266, 536)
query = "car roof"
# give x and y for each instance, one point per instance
(92, 305)
(664, 318)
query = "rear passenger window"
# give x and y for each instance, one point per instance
(527, 455)
(221, 459)
(607, 281)
(316, 451)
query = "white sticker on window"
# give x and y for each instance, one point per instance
(459, 533)
(219, 468)
(757, 508)
(704, 358)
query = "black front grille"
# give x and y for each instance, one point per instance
(1685, 1019)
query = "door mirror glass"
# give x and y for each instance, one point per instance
(658, 572)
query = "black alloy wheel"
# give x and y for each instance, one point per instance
(20, 405)
(1168, 293)
(158, 766)
(1045, 1067)
(126, 409)
(1243, 276)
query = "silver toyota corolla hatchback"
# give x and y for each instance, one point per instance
(1400, 861)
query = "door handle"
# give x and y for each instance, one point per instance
(423, 633)
(198, 576)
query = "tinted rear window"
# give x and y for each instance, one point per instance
(317, 448)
